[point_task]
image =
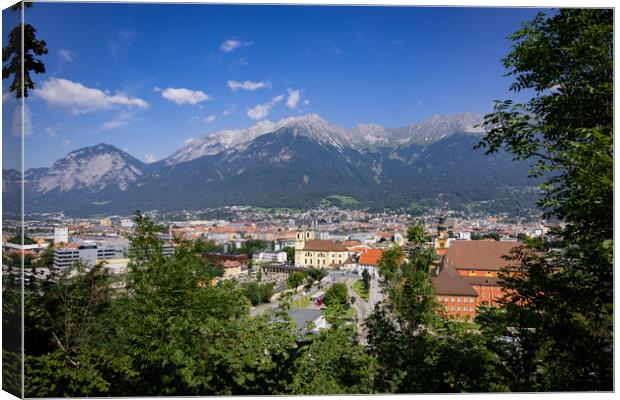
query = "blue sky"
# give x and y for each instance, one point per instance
(146, 78)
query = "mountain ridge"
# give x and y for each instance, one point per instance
(299, 162)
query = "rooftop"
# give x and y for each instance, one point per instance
(448, 282)
(480, 254)
(303, 316)
(323, 245)
(371, 257)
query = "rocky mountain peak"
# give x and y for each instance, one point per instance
(95, 168)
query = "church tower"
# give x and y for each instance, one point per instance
(301, 238)
(441, 242)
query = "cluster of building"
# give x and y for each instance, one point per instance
(465, 276)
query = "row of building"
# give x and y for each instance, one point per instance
(465, 276)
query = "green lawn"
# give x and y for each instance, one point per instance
(303, 302)
(358, 287)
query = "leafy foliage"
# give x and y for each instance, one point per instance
(333, 363)
(366, 280)
(564, 284)
(290, 254)
(12, 56)
(258, 293)
(295, 280)
(337, 296)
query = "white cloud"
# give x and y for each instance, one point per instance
(66, 55)
(194, 118)
(262, 110)
(65, 142)
(188, 141)
(81, 99)
(209, 119)
(306, 102)
(150, 158)
(51, 132)
(183, 96)
(293, 98)
(247, 85)
(233, 44)
(123, 119)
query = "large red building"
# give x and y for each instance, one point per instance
(479, 262)
(455, 296)
(468, 267)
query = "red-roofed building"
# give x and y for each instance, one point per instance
(478, 262)
(369, 261)
(455, 296)
(316, 253)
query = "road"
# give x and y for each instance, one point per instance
(333, 277)
(375, 295)
(365, 308)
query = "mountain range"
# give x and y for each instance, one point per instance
(295, 162)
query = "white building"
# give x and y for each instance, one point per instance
(127, 223)
(61, 235)
(89, 253)
(271, 256)
(465, 235)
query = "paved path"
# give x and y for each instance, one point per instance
(365, 308)
(362, 312)
(375, 295)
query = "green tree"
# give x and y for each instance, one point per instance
(337, 296)
(250, 247)
(184, 337)
(415, 349)
(208, 246)
(333, 363)
(491, 235)
(566, 131)
(290, 254)
(46, 259)
(366, 279)
(12, 56)
(252, 292)
(316, 274)
(337, 303)
(64, 356)
(294, 280)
